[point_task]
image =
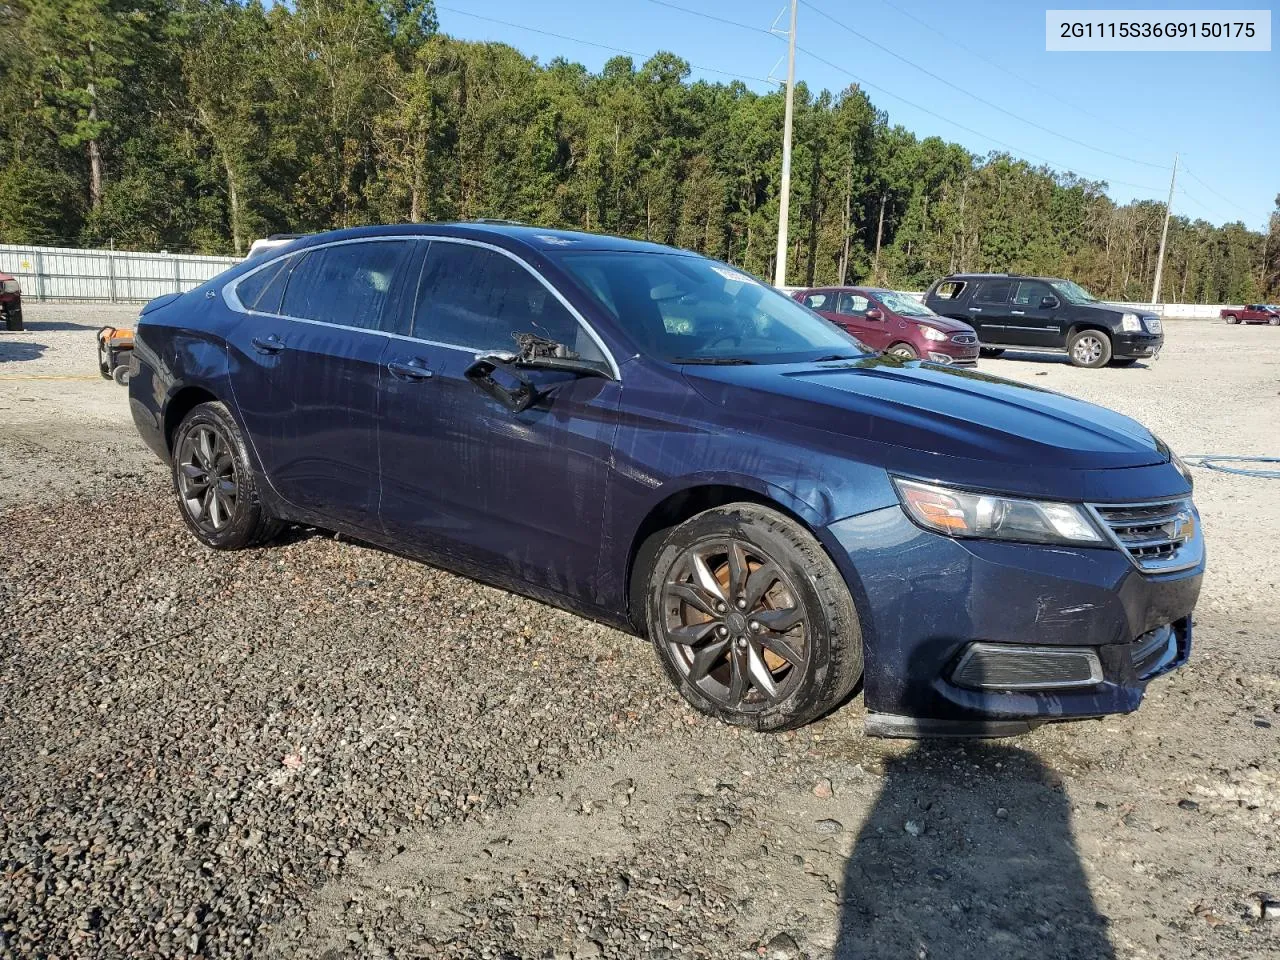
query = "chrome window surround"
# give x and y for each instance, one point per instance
(233, 301)
(1088, 653)
(1187, 553)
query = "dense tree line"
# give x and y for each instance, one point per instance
(201, 124)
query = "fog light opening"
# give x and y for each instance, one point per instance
(1007, 666)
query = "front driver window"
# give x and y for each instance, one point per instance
(477, 298)
(852, 304)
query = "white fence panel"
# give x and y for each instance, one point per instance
(66, 273)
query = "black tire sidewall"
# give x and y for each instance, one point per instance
(825, 683)
(247, 524)
(1102, 361)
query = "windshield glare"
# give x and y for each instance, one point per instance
(1073, 292)
(900, 303)
(688, 309)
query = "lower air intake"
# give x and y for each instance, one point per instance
(1006, 666)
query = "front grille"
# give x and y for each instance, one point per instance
(1007, 666)
(964, 338)
(1158, 536)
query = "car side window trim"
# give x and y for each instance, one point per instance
(564, 302)
(233, 301)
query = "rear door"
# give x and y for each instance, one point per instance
(822, 302)
(1030, 322)
(308, 384)
(988, 310)
(517, 495)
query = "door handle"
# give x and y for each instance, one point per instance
(1018, 313)
(268, 344)
(975, 309)
(413, 369)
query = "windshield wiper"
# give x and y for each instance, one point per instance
(836, 356)
(714, 361)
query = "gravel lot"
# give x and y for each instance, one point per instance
(319, 749)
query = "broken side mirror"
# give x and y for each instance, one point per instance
(497, 375)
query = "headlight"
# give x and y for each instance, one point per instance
(932, 333)
(1130, 323)
(960, 513)
(11, 286)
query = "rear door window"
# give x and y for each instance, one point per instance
(262, 291)
(472, 297)
(817, 301)
(347, 284)
(994, 291)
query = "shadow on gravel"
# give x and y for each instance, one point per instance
(968, 853)
(19, 350)
(1059, 358)
(60, 325)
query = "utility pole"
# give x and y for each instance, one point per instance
(784, 201)
(1164, 235)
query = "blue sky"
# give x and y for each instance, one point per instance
(1220, 111)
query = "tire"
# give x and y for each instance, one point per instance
(1089, 348)
(991, 351)
(13, 322)
(1125, 362)
(234, 518)
(903, 351)
(727, 662)
(1273, 322)
(1232, 318)
(121, 375)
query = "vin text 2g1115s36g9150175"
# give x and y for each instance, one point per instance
(658, 441)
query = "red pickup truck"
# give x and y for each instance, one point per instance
(1253, 313)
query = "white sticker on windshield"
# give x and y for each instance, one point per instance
(731, 274)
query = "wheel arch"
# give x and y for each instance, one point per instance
(182, 402)
(1079, 326)
(680, 505)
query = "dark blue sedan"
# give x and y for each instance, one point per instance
(662, 442)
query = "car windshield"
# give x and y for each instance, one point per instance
(906, 306)
(1073, 292)
(688, 309)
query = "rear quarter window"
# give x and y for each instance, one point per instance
(262, 291)
(950, 290)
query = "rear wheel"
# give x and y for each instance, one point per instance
(13, 320)
(216, 489)
(991, 351)
(751, 620)
(1089, 348)
(1232, 318)
(904, 351)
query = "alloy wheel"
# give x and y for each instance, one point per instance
(1088, 349)
(208, 481)
(734, 625)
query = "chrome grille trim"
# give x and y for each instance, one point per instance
(1159, 536)
(963, 338)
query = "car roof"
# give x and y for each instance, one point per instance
(501, 233)
(1000, 276)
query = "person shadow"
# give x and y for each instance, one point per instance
(968, 853)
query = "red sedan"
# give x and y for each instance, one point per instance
(894, 323)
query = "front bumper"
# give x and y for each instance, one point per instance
(1129, 346)
(924, 599)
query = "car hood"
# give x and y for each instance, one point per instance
(919, 412)
(946, 324)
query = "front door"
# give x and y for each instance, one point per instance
(521, 495)
(1033, 315)
(988, 310)
(852, 310)
(308, 383)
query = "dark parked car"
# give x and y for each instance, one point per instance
(10, 302)
(661, 442)
(1044, 313)
(894, 323)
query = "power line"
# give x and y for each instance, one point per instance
(592, 43)
(980, 99)
(1231, 203)
(911, 103)
(951, 39)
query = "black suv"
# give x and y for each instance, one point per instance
(1041, 313)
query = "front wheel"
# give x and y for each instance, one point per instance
(904, 351)
(751, 619)
(1090, 348)
(216, 489)
(1274, 322)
